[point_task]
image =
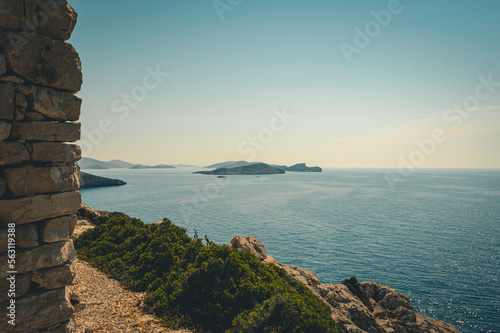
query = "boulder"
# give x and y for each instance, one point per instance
(41, 207)
(249, 244)
(44, 256)
(55, 152)
(27, 236)
(30, 180)
(43, 60)
(58, 229)
(53, 278)
(7, 96)
(56, 105)
(39, 310)
(13, 153)
(11, 14)
(5, 130)
(62, 19)
(46, 131)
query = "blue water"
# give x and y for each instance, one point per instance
(434, 235)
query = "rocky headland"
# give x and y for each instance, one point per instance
(299, 167)
(362, 307)
(87, 180)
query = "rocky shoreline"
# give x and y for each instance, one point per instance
(361, 307)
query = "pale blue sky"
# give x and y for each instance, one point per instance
(227, 76)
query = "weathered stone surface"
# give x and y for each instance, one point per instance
(54, 278)
(12, 78)
(62, 19)
(41, 207)
(3, 186)
(20, 113)
(249, 244)
(44, 256)
(59, 229)
(25, 90)
(68, 326)
(27, 236)
(31, 17)
(56, 104)
(21, 100)
(7, 100)
(55, 152)
(4, 246)
(11, 14)
(3, 67)
(39, 310)
(5, 129)
(46, 131)
(13, 153)
(22, 284)
(33, 116)
(43, 60)
(30, 180)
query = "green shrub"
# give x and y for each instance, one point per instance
(214, 288)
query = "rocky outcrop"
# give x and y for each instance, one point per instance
(253, 169)
(362, 307)
(39, 182)
(88, 180)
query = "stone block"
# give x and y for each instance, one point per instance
(4, 246)
(54, 278)
(41, 207)
(58, 229)
(43, 256)
(7, 96)
(3, 186)
(55, 152)
(62, 19)
(43, 60)
(5, 129)
(46, 131)
(27, 236)
(56, 104)
(33, 116)
(13, 153)
(30, 180)
(39, 310)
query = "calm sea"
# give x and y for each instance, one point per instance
(434, 236)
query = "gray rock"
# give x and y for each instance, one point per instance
(57, 105)
(55, 152)
(6, 100)
(53, 278)
(5, 129)
(11, 14)
(27, 236)
(46, 131)
(13, 153)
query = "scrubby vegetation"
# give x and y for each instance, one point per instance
(209, 287)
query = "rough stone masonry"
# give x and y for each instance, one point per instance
(39, 183)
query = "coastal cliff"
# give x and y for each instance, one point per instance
(361, 307)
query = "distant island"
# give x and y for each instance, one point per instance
(252, 169)
(299, 167)
(90, 163)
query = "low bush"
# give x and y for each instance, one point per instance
(212, 288)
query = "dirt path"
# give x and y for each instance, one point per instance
(109, 307)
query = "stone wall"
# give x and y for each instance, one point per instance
(39, 183)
